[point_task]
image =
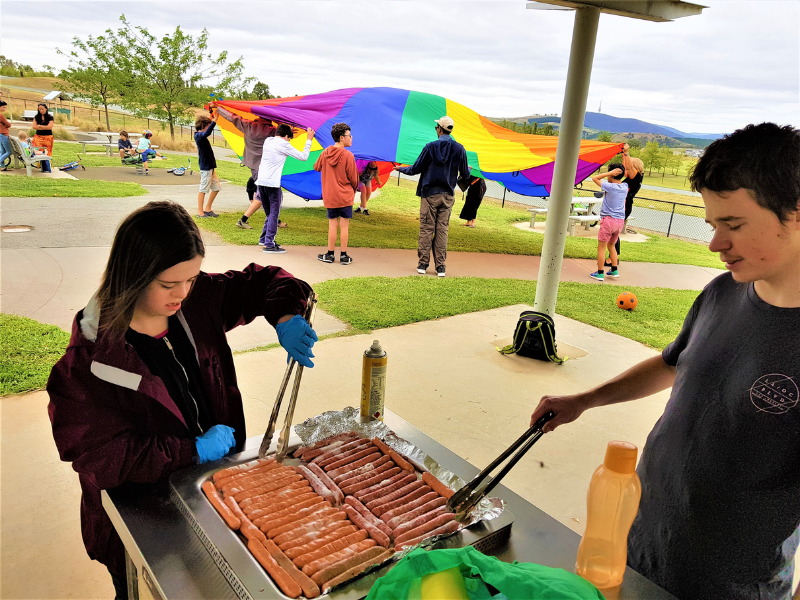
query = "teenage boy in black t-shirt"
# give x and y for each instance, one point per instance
(720, 471)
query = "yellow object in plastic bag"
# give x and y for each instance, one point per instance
(445, 585)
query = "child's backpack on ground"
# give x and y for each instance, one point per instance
(534, 337)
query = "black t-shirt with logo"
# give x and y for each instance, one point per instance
(720, 470)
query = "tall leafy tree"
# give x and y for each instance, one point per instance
(261, 91)
(604, 136)
(93, 72)
(651, 157)
(172, 76)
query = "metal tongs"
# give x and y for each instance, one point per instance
(465, 499)
(283, 439)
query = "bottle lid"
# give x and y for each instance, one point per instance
(621, 457)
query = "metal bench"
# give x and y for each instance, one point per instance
(586, 220)
(20, 156)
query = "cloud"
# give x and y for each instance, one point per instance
(737, 62)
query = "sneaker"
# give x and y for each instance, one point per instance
(613, 273)
(440, 271)
(357, 211)
(210, 213)
(328, 257)
(147, 171)
(599, 275)
(260, 243)
(345, 260)
(421, 268)
(203, 216)
(276, 249)
(366, 212)
(242, 225)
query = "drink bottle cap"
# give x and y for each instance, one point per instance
(621, 457)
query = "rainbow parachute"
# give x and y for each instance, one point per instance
(391, 125)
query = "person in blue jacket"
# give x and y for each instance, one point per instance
(440, 164)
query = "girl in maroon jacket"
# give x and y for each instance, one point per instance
(147, 385)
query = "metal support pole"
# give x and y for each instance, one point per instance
(672, 214)
(503, 205)
(398, 179)
(584, 35)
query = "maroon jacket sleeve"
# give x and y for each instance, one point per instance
(92, 430)
(241, 296)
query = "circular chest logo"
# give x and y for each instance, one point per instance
(774, 393)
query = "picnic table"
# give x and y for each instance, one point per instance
(577, 213)
(111, 134)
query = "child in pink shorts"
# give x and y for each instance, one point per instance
(612, 220)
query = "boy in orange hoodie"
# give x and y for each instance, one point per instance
(339, 183)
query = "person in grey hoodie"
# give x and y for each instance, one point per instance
(441, 163)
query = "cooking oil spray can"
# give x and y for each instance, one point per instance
(373, 383)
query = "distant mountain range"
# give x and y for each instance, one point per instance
(603, 122)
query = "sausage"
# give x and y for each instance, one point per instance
(395, 522)
(285, 582)
(318, 534)
(357, 570)
(401, 510)
(408, 498)
(309, 527)
(322, 443)
(223, 473)
(334, 473)
(397, 494)
(319, 564)
(301, 501)
(402, 462)
(430, 525)
(213, 496)
(328, 482)
(356, 487)
(419, 521)
(450, 527)
(370, 518)
(255, 481)
(247, 528)
(221, 483)
(310, 589)
(268, 487)
(381, 446)
(350, 478)
(389, 486)
(375, 533)
(303, 518)
(290, 491)
(316, 483)
(270, 524)
(320, 542)
(339, 567)
(334, 454)
(302, 560)
(437, 486)
(371, 466)
(351, 457)
(314, 453)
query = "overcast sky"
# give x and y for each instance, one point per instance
(738, 62)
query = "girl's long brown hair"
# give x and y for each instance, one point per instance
(150, 240)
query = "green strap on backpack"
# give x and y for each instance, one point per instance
(514, 581)
(534, 337)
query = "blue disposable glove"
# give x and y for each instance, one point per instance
(297, 337)
(214, 443)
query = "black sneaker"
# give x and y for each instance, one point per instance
(276, 249)
(344, 259)
(421, 268)
(358, 211)
(210, 213)
(366, 212)
(440, 271)
(328, 257)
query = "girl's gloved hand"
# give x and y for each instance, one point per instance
(297, 337)
(214, 443)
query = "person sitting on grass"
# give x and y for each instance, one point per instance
(26, 146)
(209, 182)
(124, 145)
(612, 218)
(368, 174)
(339, 183)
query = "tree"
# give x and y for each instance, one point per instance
(261, 91)
(11, 69)
(548, 129)
(604, 136)
(635, 144)
(650, 157)
(171, 76)
(674, 162)
(92, 72)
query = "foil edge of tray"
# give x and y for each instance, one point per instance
(241, 569)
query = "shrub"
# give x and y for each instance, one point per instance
(164, 142)
(60, 133)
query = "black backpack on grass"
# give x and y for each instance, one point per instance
(534, 337)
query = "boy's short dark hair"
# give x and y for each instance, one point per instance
(201, 122)
(338, 130)
(284, 130)
(762, 158)
(3, 103)
(613, 166)
(123, 133)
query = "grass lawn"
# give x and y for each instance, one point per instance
(31, 187)
(655, 322)
(28, 350)
(394, 223)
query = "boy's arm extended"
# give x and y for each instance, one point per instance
(294, 153)
(237, 121)
(418, 166)
(207, 131)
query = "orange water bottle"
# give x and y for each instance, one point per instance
(612, 502)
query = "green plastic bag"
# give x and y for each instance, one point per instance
(517, 581)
